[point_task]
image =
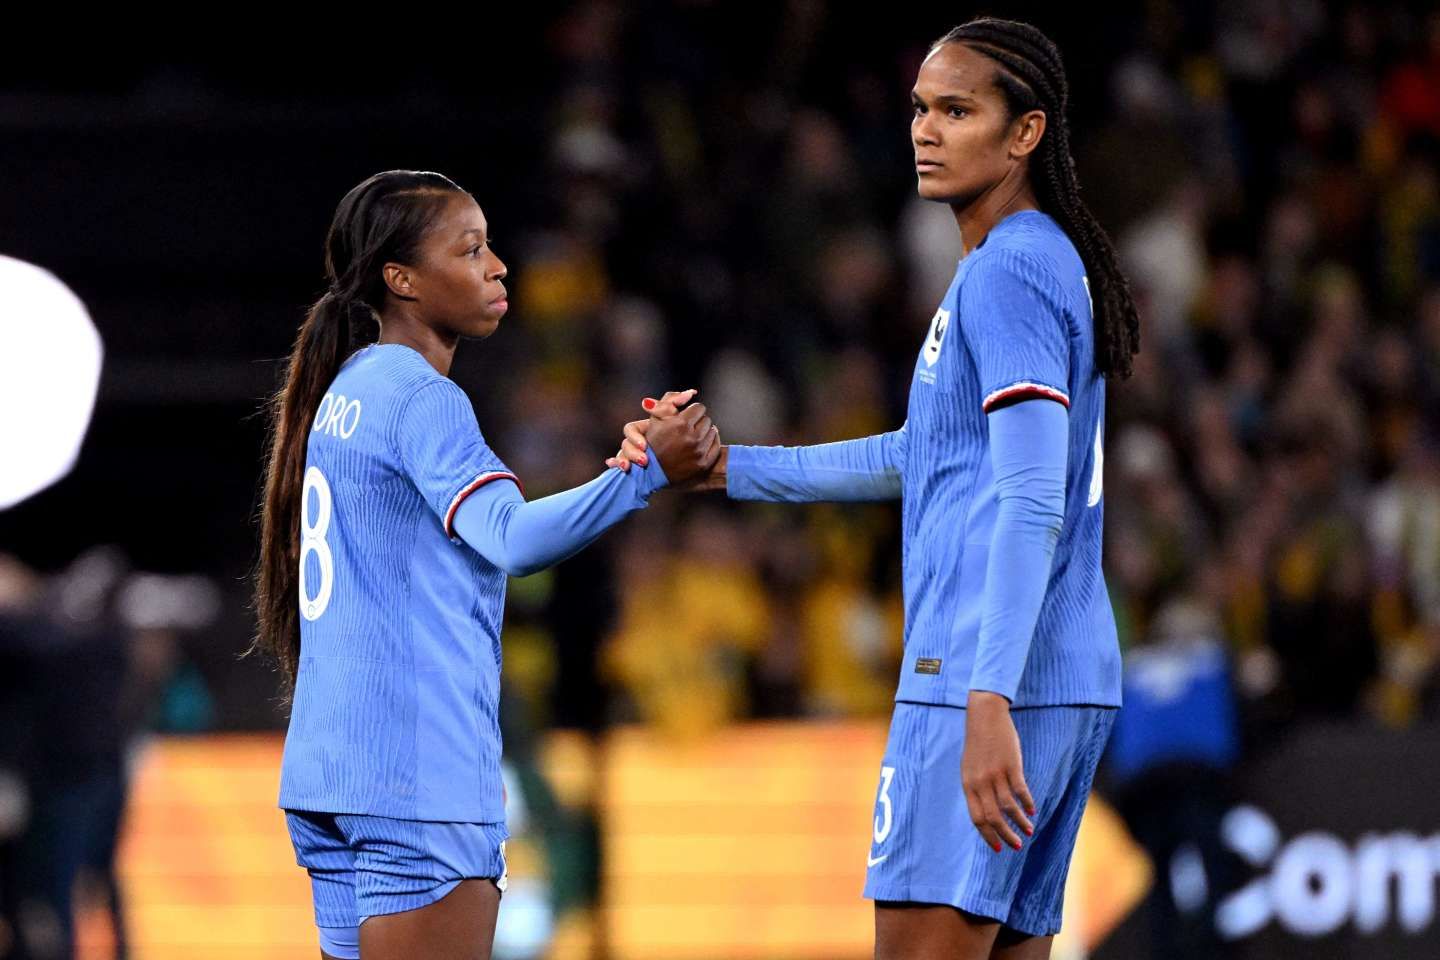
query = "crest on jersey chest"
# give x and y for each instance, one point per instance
(934, 343)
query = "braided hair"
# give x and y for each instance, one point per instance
(1031, 76)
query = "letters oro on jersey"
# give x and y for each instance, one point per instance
(337, 416)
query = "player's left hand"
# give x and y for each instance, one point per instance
(993, 773)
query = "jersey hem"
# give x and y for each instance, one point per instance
(301, 805)
(1101, 703)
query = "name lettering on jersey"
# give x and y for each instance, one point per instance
(929, 665)
(934, 342)
(337, 416)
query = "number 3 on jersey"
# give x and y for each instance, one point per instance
(312, 540)
(885, 819)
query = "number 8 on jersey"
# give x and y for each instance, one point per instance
(312, 539)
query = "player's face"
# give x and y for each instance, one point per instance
(960, 131)
(459, 283)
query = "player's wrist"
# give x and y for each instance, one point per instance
(720, 472)
(988, 701)
(652, 474)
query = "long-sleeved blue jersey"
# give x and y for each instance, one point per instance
(989, 603)
(405, 542)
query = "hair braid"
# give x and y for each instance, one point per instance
(1031, 75)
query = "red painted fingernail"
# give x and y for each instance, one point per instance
(644, 461)
(997, 848)
(648, 403)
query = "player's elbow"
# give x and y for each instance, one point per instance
(1050, 511)
(526, 569)
(1048, 523)
(1039, 510)
(519, 563)
(1053, 525)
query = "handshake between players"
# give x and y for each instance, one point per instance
(677, 432)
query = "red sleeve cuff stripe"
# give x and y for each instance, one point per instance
(470, 488)
(1025, 391)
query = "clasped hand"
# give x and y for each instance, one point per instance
(680, 434)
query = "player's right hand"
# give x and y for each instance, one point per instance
(688, 444)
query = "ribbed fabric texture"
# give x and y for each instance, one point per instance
(1017, 313)
(396, 705)
(926, 850)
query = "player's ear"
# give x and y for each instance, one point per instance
(400, 280)
(1027, 131)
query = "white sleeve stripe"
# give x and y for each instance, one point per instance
(1026, 388)
(470, 488)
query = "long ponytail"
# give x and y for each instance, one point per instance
(381, 220)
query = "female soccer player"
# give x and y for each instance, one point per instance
(388, 529)
(1010, 645)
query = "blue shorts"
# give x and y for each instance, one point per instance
(362, 866)
(926, 850)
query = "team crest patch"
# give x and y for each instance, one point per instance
(939, 326)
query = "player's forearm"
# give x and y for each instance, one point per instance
(869, 468)
(522, 538)
(1028, 448)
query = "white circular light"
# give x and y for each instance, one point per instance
(50, 356)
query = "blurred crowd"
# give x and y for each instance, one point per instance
(1273, 467)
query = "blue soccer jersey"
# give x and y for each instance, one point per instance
(396, 702)
(999, 467)
(1015, 326)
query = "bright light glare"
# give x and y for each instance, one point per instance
(50, 359)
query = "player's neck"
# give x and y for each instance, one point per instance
(436, 347)
(977, 218)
